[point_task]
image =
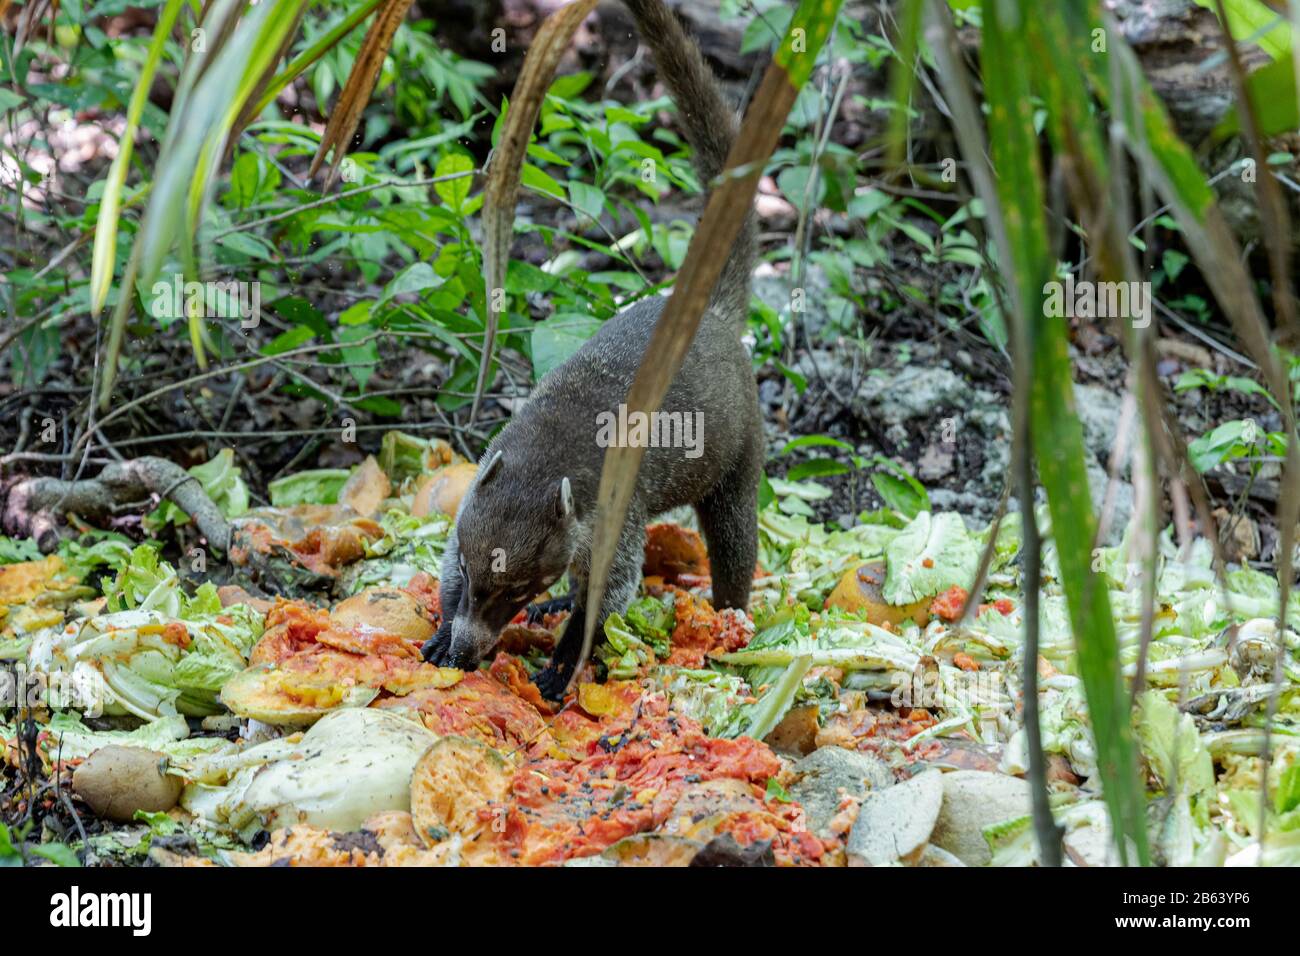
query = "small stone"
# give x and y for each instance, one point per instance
(894, 824)
(1242, 543)
(972, 800)
(822, 780)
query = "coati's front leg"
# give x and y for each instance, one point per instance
(450, 586)
(620, 589)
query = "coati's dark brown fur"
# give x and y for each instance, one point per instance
(529, 515)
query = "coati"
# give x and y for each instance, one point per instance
(529, 514)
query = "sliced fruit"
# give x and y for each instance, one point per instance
(389, 610)
(860, 590)
(653, 849)
(303, 688)
(671, 551)
(454, 782)
(443, 490)
(366, 489)
(274, 696)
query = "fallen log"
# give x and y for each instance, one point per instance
(38, 507)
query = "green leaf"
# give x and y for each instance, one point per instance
(317, 487)
(809, 28)
(1252, 21)
(586, 199)
(534, 178)
(1233, 439)
(59, 854)
(899, 489)
(816, 468)
(815, 441)
(776, 792)
(414, 278)
(932, 554)
(556, 339)
(454, 192)
(289, 339)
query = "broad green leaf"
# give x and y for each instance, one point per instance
(557, 338)
(454, 192)
(414, 278)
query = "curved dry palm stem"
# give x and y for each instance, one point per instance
(358, 88)
(306, 58)
(504, 171)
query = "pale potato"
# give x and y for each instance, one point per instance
(117, 781)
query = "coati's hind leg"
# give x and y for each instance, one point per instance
(622, 586)
(729, 518)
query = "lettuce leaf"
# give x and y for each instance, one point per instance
(933, 553)
(320, 486)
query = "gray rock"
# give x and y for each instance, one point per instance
(989, 415)
(1122, 505)
(827, 775)
(934, 856)
(1090, 846)
(916, 391)
(972, 800)
(893, 824)
(1099, 413)
(775, 291)
(935, 463)
(977, 509)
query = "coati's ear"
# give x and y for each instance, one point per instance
(564, 501)
(493, 465)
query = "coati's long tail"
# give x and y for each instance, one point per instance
(710, 126)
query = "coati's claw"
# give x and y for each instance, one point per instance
(536, 612)
(436, 648)
(552, 682)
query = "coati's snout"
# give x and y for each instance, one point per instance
(510, 545)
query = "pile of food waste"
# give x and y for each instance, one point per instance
(278, 711)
